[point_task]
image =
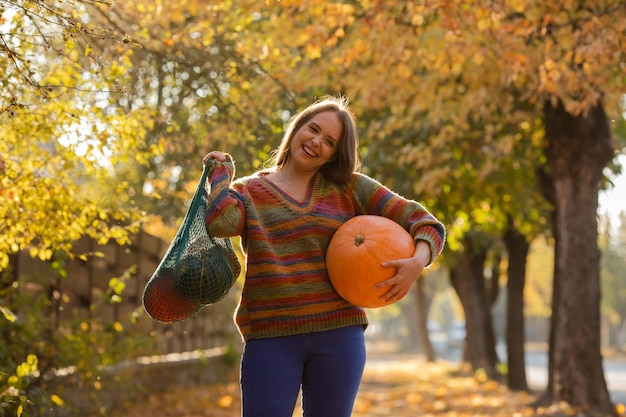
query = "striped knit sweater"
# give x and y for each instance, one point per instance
(287, 290)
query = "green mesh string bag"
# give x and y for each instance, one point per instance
(197, 269)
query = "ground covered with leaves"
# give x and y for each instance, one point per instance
(399, 386)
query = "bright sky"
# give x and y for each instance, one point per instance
(613, 201)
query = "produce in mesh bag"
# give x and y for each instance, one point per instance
(204, 273)
(197, 268)
(164, 302)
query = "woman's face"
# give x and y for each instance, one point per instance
(315, 143)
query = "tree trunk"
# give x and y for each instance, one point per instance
(493, 289)
(577, 150)
(517, 248)
(422, 320)
(468, 280)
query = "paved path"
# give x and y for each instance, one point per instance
(393, 385)
(614, 373)
(537, 371)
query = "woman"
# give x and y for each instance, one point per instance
(298, 332)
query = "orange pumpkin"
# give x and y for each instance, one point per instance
(356, 252)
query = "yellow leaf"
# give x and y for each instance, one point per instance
(481, 375)
(27, 368)
(549, 65)
(403, 71)
(32, 360)
(578, 57)
(550, 87)
(417, 19)
(313, 51)
(518, 5)
(8, 314)
(225, 401)
(483, 24)
(456, 67)
(57, 400)
(88, 50)
(450, 36)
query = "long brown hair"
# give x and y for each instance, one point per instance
(346, 159)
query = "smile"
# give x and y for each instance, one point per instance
(309, 151)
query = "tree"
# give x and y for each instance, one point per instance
(207, 93)
(468, 279)
(61, 142)
(517, 248)
(60, 137)
(448, 89)
(578, 149)
(471, 63)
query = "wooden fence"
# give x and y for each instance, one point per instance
(85, 293)
(198, 350)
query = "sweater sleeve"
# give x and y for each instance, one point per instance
(225, 214)
(374, 198)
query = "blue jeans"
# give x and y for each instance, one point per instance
(327, 365)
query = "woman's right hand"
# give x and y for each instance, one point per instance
(217, 155)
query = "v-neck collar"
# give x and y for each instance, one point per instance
(310, 194)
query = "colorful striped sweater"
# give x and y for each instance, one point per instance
(287, 290)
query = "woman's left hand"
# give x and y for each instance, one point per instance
(407, 272)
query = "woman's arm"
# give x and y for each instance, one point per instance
(427, 232)
(374, 198)
(225, 214)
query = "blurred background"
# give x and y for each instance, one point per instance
(506, 119)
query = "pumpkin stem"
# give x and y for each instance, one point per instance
(358, 240)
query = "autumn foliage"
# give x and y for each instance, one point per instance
(106, 109)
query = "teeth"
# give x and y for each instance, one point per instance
(308, 152)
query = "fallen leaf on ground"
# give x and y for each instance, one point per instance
(399, 386)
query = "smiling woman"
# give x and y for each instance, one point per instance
(290, 316)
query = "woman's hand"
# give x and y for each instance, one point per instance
(407, 272)
(217, 155)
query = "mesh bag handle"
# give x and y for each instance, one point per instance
(196, 270)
